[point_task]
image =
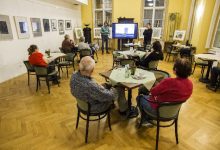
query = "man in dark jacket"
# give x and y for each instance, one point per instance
(147, 35)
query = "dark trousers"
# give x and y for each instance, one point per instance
(146, 43)
(214, 75)
(104, 41)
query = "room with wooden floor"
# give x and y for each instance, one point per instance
(46, 119)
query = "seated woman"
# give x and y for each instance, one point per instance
(168, 90)
(68, 45)
(157, 54)
(36, 59)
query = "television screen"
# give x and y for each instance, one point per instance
(124, 30)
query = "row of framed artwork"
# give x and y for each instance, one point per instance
(23, 28)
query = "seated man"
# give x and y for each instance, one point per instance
(83, 45)
(84, 87)
(156, 55)
(68, 45)
(214, 77)
(168, 90)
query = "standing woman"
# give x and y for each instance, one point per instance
(147, 35)
(104, 34)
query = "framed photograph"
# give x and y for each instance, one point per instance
(179, 35)
(53, 24)
(97, 33)
(141, 31)
(156, 33)
(61, 27)
(46, 24)
(78, 32)
(36, 27)
(22, 27)
(68, 24)
(5, 28)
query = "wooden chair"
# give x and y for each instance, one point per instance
(153, 64)
(85, 52)
(84, 107)
(66, 62)
(42, 74)
(116, 58)
(130, 62)
(170, 52)
(165, 112)
(202, 63)
(30, 70)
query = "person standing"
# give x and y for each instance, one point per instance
(104, 35)
(147, 35)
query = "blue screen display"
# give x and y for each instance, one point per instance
(124, 30)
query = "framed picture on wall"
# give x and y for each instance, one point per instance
(53, 24)
(97, 33)
(36, 27)
(78, 33)
(61, 27)
(22, 27)
(156, 33)
(141, 31)
(179, 35)
(5, 28)
(68, 24)
(46, 24)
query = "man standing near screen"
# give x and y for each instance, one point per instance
(147, 35)
(104, 34)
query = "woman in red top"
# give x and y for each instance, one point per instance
(35, 57)
(168, 90)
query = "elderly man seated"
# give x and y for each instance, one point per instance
(84, 87)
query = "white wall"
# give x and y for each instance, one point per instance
(13, 52)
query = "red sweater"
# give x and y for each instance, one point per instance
(171, 89)
(36, 58)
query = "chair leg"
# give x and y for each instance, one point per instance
(176, 131)
(166, 57)
(109, 121)
(77, 120)
(37, 84)
(28, 78)
(87, 128)
(59, 70)
(48, 84)
(67, 71)
(194, 68)
(158, 133)
(202, 71)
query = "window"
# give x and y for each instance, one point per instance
(102, 12)
(216, 43)
(154, 11)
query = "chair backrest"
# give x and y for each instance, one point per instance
(85, 52)
(168, 110)
(153, 64)
(61, 49)
(124, 62)
(84, 105)
(40, 71)
(160, 74)
(28, 65)
(167, 46)
(69, 57)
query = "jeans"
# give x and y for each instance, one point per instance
(144, 106)
(104, 41)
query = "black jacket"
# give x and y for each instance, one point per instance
(154, 56)
(147, 34)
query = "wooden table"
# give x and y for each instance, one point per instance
(210, 58)
(129, 86)
(53, 56)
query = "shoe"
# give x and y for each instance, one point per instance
(107, 52)
(210, 87)
(102, 52)
(145, 123)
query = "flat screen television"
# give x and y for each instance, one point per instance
(124, 30)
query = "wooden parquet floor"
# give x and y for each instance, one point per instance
(42, 121)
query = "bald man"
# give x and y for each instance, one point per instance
(84, 87)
